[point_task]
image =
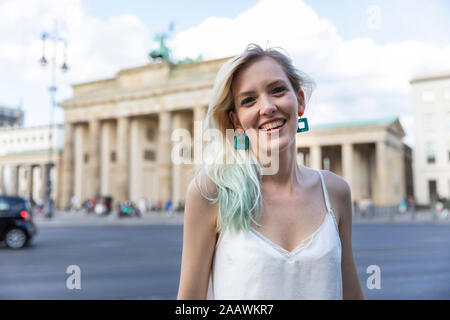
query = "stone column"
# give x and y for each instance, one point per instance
(316, 157)
(164, 156)
(15, 180)
(122, 167)
(105, 157)
(42, 181)
(68, 168)
(136, 156)
(199, 115)
(382, 173)
(79, 157)
(55, 176)
(177, 168)
(402, 181)
(93, 167)
(347, 163)
(23, 181)
(19, 181)
(30, 182)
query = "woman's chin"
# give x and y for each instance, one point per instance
(274, 146)
(279, 146)
(274, 143)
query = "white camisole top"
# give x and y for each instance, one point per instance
(249, 266)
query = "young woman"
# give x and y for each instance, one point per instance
(250, 235)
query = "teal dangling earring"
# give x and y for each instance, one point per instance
(302, 123)
(241, 142)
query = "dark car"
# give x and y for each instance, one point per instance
(16, 221)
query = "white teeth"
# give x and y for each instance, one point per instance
(272, 125)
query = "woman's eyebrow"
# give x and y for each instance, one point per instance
(278, 81)
(273, 83)
(246, 93)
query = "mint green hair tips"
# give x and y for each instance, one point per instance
(239, 196)
(238, 192)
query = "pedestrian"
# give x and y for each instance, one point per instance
(73, 203)
(40, 207)
(445, 211)
(258, 225)
(364, 205)
(135, 209)
(179, 207)
(439, 206)
(412, 206)
(403, 207)
(143, 206)
(159, 206)
(169, 207)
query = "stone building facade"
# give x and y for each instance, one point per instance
(118, 139)
(118, 131)
(369, 155)
(25, 154)
(431, 111)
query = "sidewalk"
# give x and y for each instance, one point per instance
(67, 219)
(76, 219)
(421, 217)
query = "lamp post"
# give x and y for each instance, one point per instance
(55, 38)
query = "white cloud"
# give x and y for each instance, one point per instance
(97, 49)
(289, 23)
(355, 79)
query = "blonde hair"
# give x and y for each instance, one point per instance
(238, 184)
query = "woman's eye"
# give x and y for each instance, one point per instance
(247, 100)
(279, 89)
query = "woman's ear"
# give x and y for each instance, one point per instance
(301, 101)
(234, 120)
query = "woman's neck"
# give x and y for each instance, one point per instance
(288, 175)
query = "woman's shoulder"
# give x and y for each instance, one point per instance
(202, 188)
(339, 193)
(200, 199)
(335, 183)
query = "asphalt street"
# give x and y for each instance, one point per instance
(143, 262)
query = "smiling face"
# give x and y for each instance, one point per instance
(265, 103)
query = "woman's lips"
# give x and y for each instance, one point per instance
(269, 132)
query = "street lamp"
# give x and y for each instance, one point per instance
(55, 39)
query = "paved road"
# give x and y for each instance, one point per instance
(414, 259)
(143, 262)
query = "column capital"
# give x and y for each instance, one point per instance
(69, 125)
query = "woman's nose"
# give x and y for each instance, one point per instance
(267, 106)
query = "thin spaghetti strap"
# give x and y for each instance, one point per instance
(327, 200)
(325, 191)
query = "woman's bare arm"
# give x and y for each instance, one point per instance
(199, 237)
(341, 198)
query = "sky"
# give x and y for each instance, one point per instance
(361, 54)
